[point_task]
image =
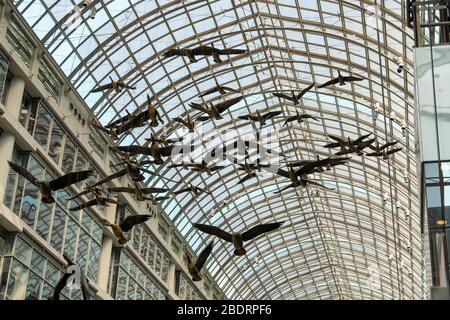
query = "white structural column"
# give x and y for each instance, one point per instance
(13, 104)
(105, 255)
(15, 96)
(171, 277)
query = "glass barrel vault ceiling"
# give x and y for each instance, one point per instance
(361, 240)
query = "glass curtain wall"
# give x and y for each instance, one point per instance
(27, 273)
(432, 70)
(129, 281)
(77, 234)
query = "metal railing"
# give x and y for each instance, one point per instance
(430, 20)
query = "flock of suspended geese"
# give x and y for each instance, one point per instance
(297, 172)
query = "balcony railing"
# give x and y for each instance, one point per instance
(430, 20)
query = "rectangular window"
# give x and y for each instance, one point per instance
(17, 282)
(31, 197)
(176, 244)
(94, 256)
(6, 88)
(25, 110)
(69, 156)
(56, 141)
(48, 79)
(4, 63)
(158, 261)
(44, 220)
(12, 186)
(97, 142)
(59, 224)
(42, 129)
(18, 39)
(163, 229)
(71, 238)
(439, 265)
(2, 245)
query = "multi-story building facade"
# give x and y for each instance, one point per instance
(45, 127)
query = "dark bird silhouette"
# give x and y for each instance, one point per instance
(299, 178)
(188, 123)
(46, 187)
(133, 168)
(344, 142)
(319, 165)
(238, 239)
(126, 225)
(382, 151)
(97, 201)
(261, 118)
(218, 88)
(138, 192)
(295, 98)
(155, 151)
(195, 190)
(196, 267)
(215, 111)
(130, 122)
(348, 145)
(341, 80)
(94, 191)
(384, 154)
(250, 169)
(62, 283)
(163, 140)
(156, 200)
(118, 86)
(300, 118)
(109, 131)
(203, 51)
(198, 167)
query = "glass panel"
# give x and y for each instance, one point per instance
(52, 274)
(69, 156)
(37, 263)
(3, 73)
(31, 197)
(33, 287)
(59, 223)
(93, 261)
(158, 262)
(83, 247)
(44, 219)
(439, 265)
(2, 245)
(13, 176)
(54, 151)
(18, 39)
(151, 254)
(165, 268)
(121, 285)
(432, 172)
(136, 237)
(434, 206)
(71, 238)
(441, 66)
(82, 163)
(131, 290)
(17, 282)
(22, 251)
(425, 102)
(25, 110)
(43, 122)
(4, 276)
